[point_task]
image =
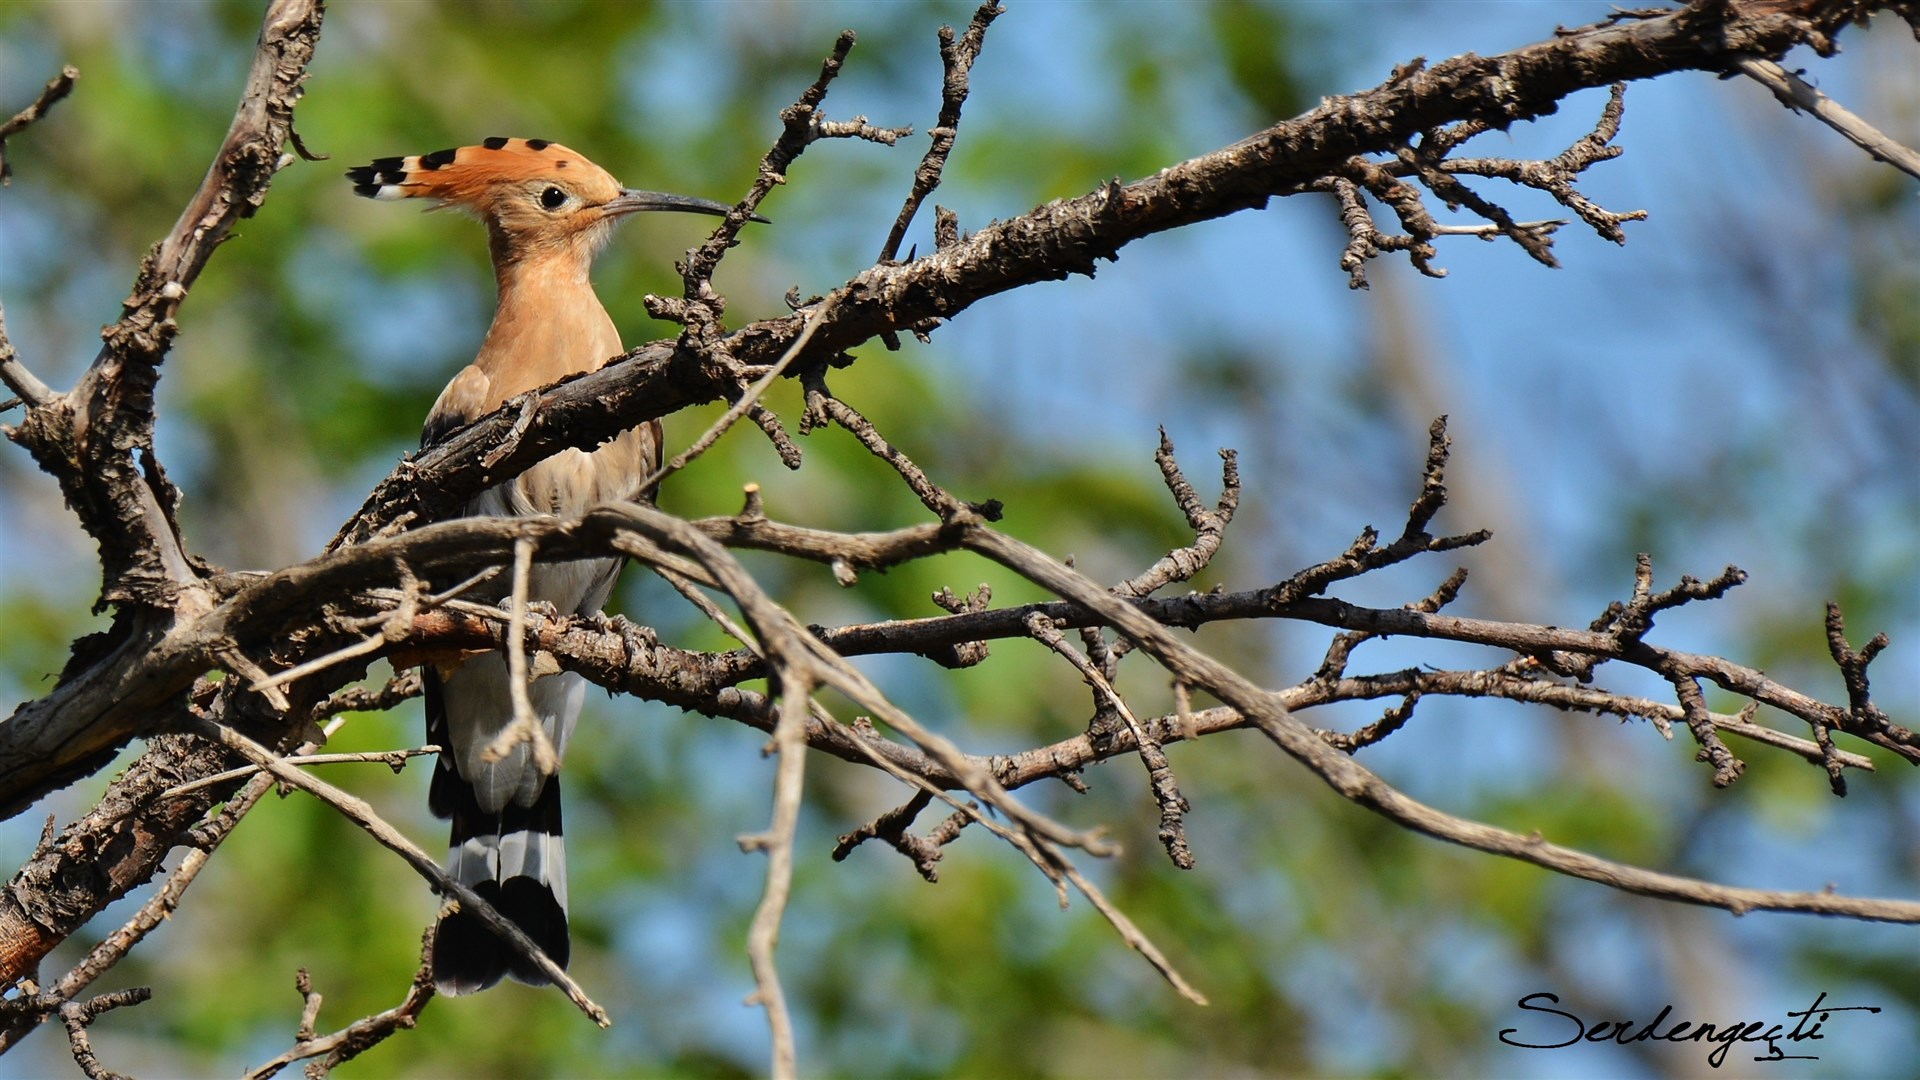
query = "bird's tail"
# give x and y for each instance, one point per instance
(514, 858)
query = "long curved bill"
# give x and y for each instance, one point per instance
(631, 201)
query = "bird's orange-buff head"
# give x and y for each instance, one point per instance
(536, 197)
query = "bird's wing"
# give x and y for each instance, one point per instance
(467, 398)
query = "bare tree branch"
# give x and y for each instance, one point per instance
(57, 87)
(357, 811)
(1798, 94)
(1071, 235)
(96, 440)
(355, 1039)
(957, 54)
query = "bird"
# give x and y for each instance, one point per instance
(548, 211)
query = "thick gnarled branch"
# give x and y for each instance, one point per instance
(1070, 236)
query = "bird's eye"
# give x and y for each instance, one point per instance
(552, 198)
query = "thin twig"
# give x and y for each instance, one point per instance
(244, 666)
(686, 588)
(789, 739)
(357, 810)
(15, 374)
(310, 1002)
(57, 87)
(1166, 793)
(792, 645)
(78, 1014)
(748, 399)
(393, 759)
(1131, 934)
(895, 827)
(394, 627)
(1209, 526)
(362, 699)
(1489, 230)
(372, 643)
(1798, 94)
(957, 56)
(798, 131)
(526, 726)
(160, 907)
(830, 669)
(349, 1042)
(1355, 782)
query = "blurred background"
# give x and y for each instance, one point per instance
(1737, 385)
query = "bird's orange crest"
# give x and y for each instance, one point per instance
(468, 175)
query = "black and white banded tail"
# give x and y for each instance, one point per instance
(513, 857)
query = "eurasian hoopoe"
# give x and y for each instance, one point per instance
(548, 211)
